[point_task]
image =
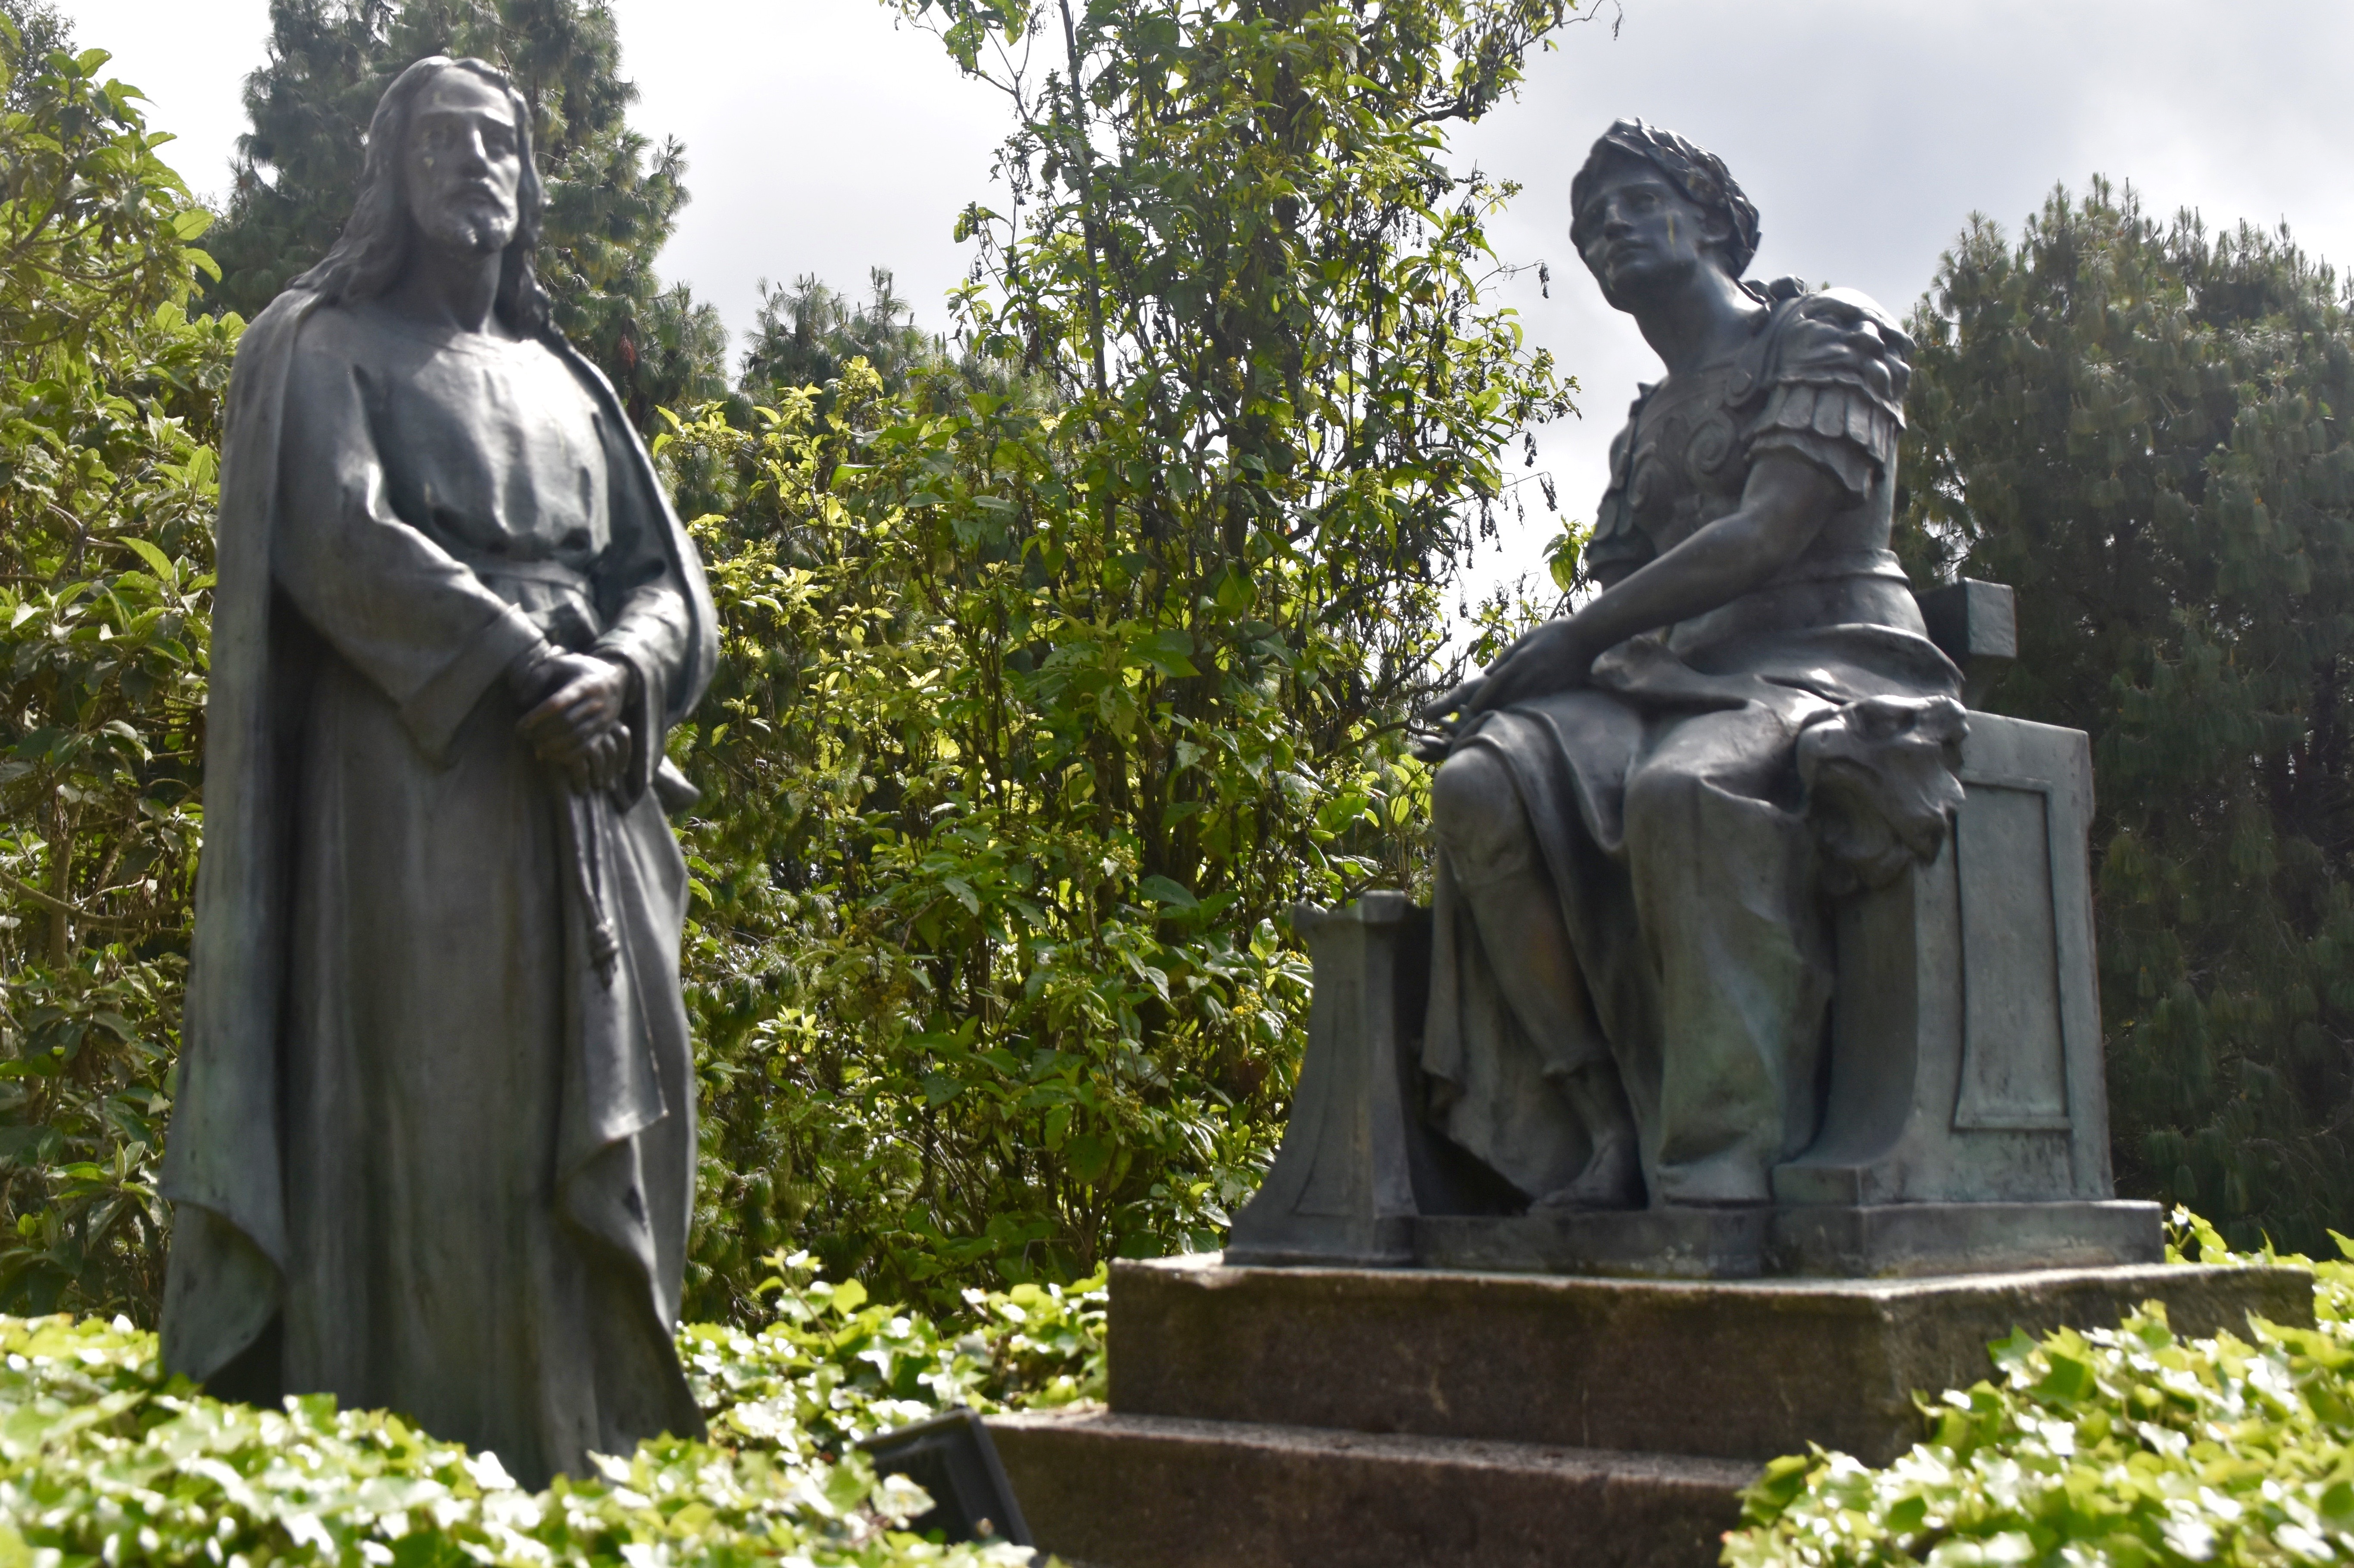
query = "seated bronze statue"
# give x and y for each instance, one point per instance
(1646, 806)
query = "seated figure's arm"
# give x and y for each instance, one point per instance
(1782, 508)
(1827, 431)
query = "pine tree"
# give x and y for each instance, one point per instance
(805, 335)
(2140, 427)
(613, 196)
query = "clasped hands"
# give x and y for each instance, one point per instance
(1555, 657)
(575, 704)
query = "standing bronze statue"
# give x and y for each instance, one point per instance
(1646, 805)
(434, 1143)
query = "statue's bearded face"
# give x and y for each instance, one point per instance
(1642, 234)
(463, 170)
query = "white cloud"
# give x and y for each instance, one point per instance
(824, 138)
(1867, 131)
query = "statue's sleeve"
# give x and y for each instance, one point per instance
(648, 623)
(1834, 392)
(405, 613)
(650, 626)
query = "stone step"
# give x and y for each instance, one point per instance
(1715, 1368)
(1130, 1491)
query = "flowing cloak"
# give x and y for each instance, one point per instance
(576, 1265)
(1668, 801)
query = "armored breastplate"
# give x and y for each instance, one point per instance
(1690, 462)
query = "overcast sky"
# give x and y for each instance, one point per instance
(822, 138)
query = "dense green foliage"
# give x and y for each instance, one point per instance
(612, 197)
(1053, 675)
(834, 1366)
(109, 400)
(2141, 427)
(2128, 1446)
(101, 1457)
(40, 30)
(1041, 704)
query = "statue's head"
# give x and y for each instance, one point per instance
(1648, 205)
(449, 165)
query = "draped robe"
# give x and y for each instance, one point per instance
(433, 1146)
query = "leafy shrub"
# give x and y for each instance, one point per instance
(2126, 1446)
(103, 1458)
(1043, 701)
(834, 1367)
(952, 1028)
(110, 398)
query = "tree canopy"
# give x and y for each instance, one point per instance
(2140, 425)
(807, 334)
(39, 30)
(109, 406)
(613, 196)
(1043, 701)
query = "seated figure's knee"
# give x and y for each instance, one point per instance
(1475, 811)
(1661, 803)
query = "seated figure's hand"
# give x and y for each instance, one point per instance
(574, 723)
(1552, 657)
(1431, 733)
(1457, 700)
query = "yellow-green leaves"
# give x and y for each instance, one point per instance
(2126, 1446)
(109, 395)
(1055, 679)
(833, 1368)
(102, 1458)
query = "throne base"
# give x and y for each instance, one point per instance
(1889, 1241)
(1436, 1418)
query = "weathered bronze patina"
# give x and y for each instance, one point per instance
(434, 1143)
(1645, 805)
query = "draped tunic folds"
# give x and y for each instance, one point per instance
(485, 1149)
(1663, 801)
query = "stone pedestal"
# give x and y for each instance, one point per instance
(1123, 1491)
(1963, 1124)
(1395, 1362)
(1835, 1240)
(1262, 1417)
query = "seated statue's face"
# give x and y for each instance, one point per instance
(1643, 236)
(462, 169)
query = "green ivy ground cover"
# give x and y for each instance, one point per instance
(2126, 1447)
(104, 1459)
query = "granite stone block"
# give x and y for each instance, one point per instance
(1124, 1491)
(1722, 1369)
